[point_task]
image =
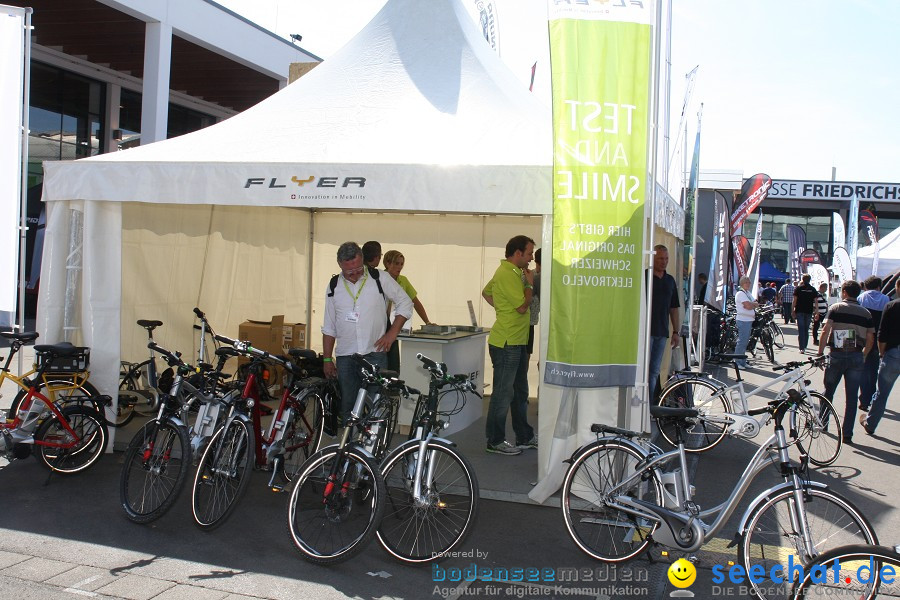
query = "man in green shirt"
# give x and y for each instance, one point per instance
(510, 292)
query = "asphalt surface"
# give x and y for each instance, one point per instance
(62, 537)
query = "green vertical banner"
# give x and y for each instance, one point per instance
(600, 71)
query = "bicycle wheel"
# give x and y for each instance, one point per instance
(223, 474)
(710, 425)
(418, 531)
(63, 392)
(777, 335)
(336, 505)
(88, 425)
(156, 464)
(771, 537)
(131, 383)
(819, 430)
(847, 573)
(602, 531)
(303, 433)
(765, 338)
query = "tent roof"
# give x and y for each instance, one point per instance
(414, 113)
(887, 248)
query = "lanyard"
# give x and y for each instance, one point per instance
(359, 291)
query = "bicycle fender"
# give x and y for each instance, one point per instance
(765, 495)
(621, 440)
(177, 422)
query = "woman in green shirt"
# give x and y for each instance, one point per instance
(393, 264)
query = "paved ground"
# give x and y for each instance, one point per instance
(64, 537)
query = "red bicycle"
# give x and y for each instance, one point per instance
(68, 438)
(241, 443)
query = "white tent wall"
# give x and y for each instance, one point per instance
(888, 257)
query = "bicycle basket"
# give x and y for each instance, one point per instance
(72, 363)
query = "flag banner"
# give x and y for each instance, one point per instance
(796, 245)
(753, 192)
(868, 224)
(718, 263)
(12, 74)
(853, 231)
(873, 237)
(600, 58)
(837, 225)
(484, 13)
(753, 269)
(809, 257)
(741, 254)
(818, 275)
(690, 198)
(841, 266)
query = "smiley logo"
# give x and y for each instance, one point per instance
(682, 573)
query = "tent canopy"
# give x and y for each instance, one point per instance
(768, 272)
(888, 257)
(415, 113)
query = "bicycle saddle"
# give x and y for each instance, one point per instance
(25, 336)
(302, 353)
(671, 412)
(60, 349)
(149, 325)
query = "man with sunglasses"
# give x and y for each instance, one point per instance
(355, 321)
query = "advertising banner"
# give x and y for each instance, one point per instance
(873, 237)
(718, 263)
(809, 257)
(796, 245)
(600, 69)
(12, 74)
(817, 275)
(837, 224)
(841, 265)
(690, 199)
(753, 192)
(868, 224)
(741, 254)
(853, 231)
(753, 269)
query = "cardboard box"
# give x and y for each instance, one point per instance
(275, 337)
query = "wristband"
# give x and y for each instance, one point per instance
(528, 286)
(327, 359)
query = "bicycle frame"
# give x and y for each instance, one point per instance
(22, 427)
(679, 508)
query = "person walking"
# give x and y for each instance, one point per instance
(510, 291)
(874, 301)
(663, 312)
(889, 366)
(849, 334)
(745, 306)
(802, 308)
(355, 322)
(786, 299)
(821, 310)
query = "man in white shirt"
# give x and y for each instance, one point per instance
(355, 309)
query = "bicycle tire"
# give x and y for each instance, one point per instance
(600, 531)
(710, 426)
(848, 582)
(765, 338)
(418, 532)
(130, 381)
(303, 433)
(88, 424)
(84, 394)
(769, 538)
(223, 474)
(814, 435)
(777, 335)
(157, 462)
(332, 521)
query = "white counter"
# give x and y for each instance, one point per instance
(463, 352)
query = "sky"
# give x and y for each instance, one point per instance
(791, 89)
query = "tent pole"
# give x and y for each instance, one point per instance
(23, 187)
(309, 274)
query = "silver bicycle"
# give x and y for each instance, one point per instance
(617, 500)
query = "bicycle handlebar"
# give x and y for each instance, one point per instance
(199, 313)
(816, 361)
(439, 371)
(245, 348)
(172, 358)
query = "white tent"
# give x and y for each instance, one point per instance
(888, 257)
(416, 113)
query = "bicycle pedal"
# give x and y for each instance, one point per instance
(278, 489)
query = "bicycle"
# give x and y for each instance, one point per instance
(616, 500)
(723, 409)
(859, 571)
(338, 500)
(432, 491)
(240, 443)
(159, 455)
(761, 332)
(64, 382)
(140, 385)
(68, 438)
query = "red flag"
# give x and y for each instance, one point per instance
(753, 192)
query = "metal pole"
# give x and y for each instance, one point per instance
(309, 274)
(23, 185)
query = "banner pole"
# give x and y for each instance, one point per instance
(23, 187)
